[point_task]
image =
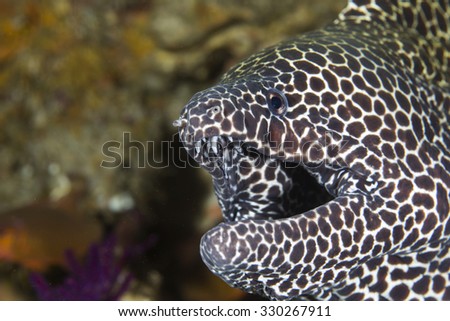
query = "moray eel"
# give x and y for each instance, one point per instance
(329, 155)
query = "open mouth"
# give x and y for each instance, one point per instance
(222, 152)
(216, 151)
(252, 185)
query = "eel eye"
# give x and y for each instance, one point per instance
(277, 102)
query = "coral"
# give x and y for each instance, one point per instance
(101, 277)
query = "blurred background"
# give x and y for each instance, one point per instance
(76, 75)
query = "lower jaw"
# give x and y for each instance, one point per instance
(237, 213)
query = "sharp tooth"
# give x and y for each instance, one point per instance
(202, 147)
(226, 155)
(223, 143)
(198, 146)
(213, 145)
(214, 149)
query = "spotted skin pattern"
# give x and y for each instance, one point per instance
(329, 155)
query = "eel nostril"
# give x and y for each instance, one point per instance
(181, 122)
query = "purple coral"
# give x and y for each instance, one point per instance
(101, 277)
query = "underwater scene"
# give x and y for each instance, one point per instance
(98, 198)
